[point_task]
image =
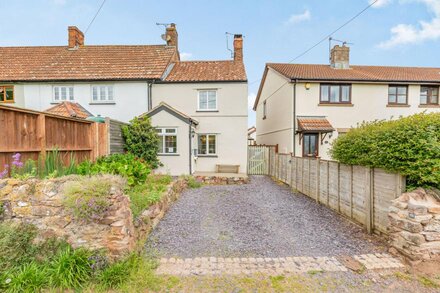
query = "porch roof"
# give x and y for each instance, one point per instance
(314, 124)
(165, 107)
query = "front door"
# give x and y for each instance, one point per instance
(310, 145)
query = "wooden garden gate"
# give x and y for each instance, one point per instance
(259, 159)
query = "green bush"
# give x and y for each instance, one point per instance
(127, 165)
(147, 194)
(71, 268)
(142, 140)
(409, 146)
(192, 182)
(117, 273)
(88, 197)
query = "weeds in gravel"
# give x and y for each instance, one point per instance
(427, 282)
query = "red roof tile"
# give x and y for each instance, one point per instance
(358, 73)
(318, 124)
(194, 71)
(69, 109)
(85, 63)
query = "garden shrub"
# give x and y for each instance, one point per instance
(88, 197)
(142, 140)
(409, 146)
(127, 165)
(30, 277)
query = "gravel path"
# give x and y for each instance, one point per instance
(260, 219)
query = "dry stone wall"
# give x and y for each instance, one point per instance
(40, 202)
(415, 225)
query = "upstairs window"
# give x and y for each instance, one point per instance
(335, 94)
(207, 144)
(398, 95)
(63, 93)
(167, 140)
(102, 93)
(429, 95)
(207, 100)
(6, 94)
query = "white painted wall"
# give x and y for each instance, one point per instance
(229, 123)
(277, 128)
(369, 102)
(130, 98)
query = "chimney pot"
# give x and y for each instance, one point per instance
(76, 37)
(238, 47)
(340, 57)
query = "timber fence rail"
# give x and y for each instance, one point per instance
(34, 134)
(360, 193)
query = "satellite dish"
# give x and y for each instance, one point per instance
(166, 37)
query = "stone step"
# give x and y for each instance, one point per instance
(270, 266)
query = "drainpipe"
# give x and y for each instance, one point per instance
(190, 146)
(294, 117)
(150, 95)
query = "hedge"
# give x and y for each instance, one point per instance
(409, 146)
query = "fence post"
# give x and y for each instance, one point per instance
(369, 194)
(351, 191)
(94, 141)
(339, 188)
(41, 131)
(317, 179)
(107, 123)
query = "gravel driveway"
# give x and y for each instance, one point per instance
(260, 219)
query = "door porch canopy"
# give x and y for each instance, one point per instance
(314, 124)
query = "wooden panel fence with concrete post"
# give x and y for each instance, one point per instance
(360, 193)
(34, 134)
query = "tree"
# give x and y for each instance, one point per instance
(142, 140)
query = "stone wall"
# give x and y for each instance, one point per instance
(221, 180)
(415, 225)
(40, 202)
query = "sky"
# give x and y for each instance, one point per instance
(392, 32)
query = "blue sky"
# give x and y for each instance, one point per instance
(393, 32)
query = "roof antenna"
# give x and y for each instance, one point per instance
(227, 44)
(165, 25)
(330, 40)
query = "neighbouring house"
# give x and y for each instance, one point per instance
(69, 109)
(198, 107)
(304, 107)
(252, 135)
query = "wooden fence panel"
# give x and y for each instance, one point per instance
(333, 192)
(116, 140)
(324, 182)
(359, 200)
(345, 194)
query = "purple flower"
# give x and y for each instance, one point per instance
(5, 172)
(16, 157)
(17, 164)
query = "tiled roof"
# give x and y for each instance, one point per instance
(110, 62)
(358, 73)
(69, 109)
(318, 124)
(193, 71)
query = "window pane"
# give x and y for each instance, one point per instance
(71, 93)
(391, 99)
(423, 99)
(324, 93)
(434, 99)
(161, 144)
(102, 93)
(345, 93)
(95, 93)
(334, 94)
(401, 90)
(306, 144)
(212, 101)
(63, 93)
(170, 130)
(424, 91)
(211, 144)
(203, 100)
(110, 93)
(202, 144)
(392, 90)
(434, 91)
(2, 94)
(159, 130)
(57, 94)
(9, 94)
(401, 99)
(170, 144)
(312, 144)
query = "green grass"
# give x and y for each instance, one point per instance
(147, 194)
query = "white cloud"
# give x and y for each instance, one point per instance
(185, 56)
(404, 34)
(297, 18)
(380, 3)
(251, 100)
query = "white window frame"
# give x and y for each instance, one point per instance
(162, 134)
(207, 104)
(207, 144)
(70, 93)
(99, 87)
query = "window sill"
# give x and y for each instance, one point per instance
(7, 102)
(398, 106)
(335, 105)
(207, 156)
(207, 111)
(429, 106)
(102, 103)
(169, 155)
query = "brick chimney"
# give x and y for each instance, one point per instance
(76, 37)
(340, 57)
(171, 35)
(238, 48)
